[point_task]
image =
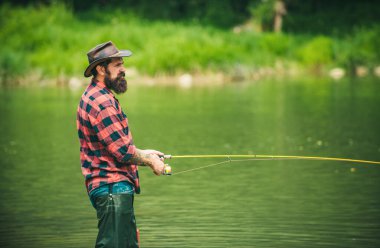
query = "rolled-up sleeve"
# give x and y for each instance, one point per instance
(113, 132)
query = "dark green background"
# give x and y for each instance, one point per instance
(312, 16)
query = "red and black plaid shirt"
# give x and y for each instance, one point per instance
(106, 144)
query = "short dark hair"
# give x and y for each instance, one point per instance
(104, 64)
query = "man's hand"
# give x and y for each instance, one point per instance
(158, 153)
(152, 158)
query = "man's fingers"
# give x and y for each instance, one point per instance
(157, 166)
(158, 153)
(158, 172)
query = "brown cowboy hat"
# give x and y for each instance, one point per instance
(103, 52)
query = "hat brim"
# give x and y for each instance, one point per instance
(121, 53)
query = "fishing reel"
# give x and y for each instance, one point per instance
(167, 168)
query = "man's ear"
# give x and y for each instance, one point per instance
(101, 70)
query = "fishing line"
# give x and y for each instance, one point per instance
(229, 161)
(223, 162)
(202, 167)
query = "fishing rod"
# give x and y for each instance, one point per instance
(232, 158)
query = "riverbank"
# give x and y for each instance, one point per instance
(187, 80)
(49, 43)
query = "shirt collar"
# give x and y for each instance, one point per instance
(102, 85)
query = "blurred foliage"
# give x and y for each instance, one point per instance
(52, 40)
(219, 13)
(312, 16)
(330, 17)
(359, 48)
(317, 52)
(263, 13)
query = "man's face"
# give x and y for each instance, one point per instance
(115, 76)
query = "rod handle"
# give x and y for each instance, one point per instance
(166, 156)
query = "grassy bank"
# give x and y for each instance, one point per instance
(49, 41)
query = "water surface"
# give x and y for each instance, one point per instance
(276, 203)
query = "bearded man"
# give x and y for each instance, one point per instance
(108, 156)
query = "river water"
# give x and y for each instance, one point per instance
(273, 203)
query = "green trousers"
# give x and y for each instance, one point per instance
(116, 221)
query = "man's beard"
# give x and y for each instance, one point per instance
(118, 84)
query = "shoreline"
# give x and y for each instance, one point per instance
(187, 80)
